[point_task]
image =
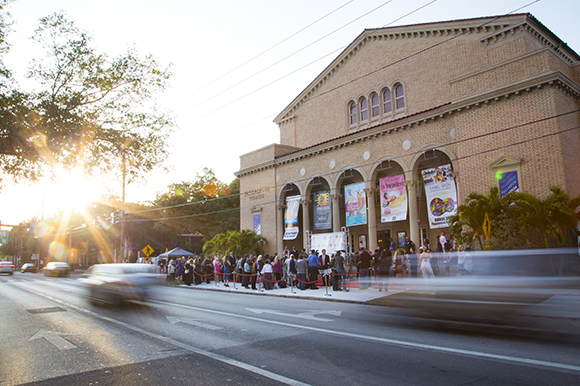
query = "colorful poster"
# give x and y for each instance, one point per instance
(291, 218)
(322, 210)
(393, 198)
(258, 224)
(332, 242)
(441, 195)
(355, 204)
(508, 183)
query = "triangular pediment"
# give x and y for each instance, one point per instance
(505, 162)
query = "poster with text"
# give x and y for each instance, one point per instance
(441, 195)
(291, 218)
(393, 198)
(355, 204)
(322, 210)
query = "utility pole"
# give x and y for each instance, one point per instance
(122, 233)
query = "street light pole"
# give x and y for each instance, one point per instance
(122, 236)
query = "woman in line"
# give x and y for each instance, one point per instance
(277, 267)
(426, 268)
(187, 274)
(198, 270)
(382, 268)
(170, 271)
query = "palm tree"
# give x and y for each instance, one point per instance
(471, 215)
(238, 242)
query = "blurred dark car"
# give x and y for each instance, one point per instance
(56, 268)
(118, 283)
(28, 267)
(7, 267)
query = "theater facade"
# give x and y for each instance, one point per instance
(407, 121)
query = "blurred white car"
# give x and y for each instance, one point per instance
(7, 267)
(114, 283)
(56, 268)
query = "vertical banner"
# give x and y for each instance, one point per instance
(258, 224)
(508, 183)
(291, 218)
(393, 198)
(355, 204)
(322, 210)
(441, 195)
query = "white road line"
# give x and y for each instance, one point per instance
(209, 354)
(499, 357)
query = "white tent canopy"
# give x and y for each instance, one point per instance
(177, 252)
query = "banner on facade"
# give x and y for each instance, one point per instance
(393, 198)
(332, 242)
(322, 210)
(355, 204)
(258, 224)
(508, 183)
(291, 218)
(441, 195)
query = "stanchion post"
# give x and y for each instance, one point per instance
(259, 280)
(292, 283)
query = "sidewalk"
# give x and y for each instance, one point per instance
(353, 295)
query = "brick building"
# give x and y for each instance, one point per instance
(481, 99)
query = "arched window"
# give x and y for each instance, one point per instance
(375, 108)
(352, 112)
(364, 109)
(387, 101)
(399, 96)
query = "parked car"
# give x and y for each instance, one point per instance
(56, 268)
(28, 267)
(114, 283)
(7, 267)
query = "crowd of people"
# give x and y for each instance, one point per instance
(310, 270)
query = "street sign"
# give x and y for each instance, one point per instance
(3, 237)
(148, 250)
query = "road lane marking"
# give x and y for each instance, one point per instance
(309, 315)
(450, 350)
(55, 338)
(193, 322)
(208, 354)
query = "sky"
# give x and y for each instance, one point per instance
(236, 64)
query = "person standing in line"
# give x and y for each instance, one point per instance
(217, 269)
(254, 272)
(338, 263)
(277, 267)
(301, 267)
(170, 271)
(226, 265)
(382, 268)
(188, 273)
(464, 260)
(266, 273)
(413, 262)
(247, 271)
(313, 266)
(285, 253)
(324, 264)
(408, 244)
(292, 272)
(365, 259)
(426, 268)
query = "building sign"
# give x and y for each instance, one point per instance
(441, 195)
(322, 210)
(291, 218)
(3, 237)
(355, 204)
(393, 198)
(332, 242)
(508, 182)
(258, 224)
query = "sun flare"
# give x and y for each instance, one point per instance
(71, 191)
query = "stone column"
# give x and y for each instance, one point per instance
(413, 211)
(371, 219)
(305, 220)
(280, 231)
(335, 211)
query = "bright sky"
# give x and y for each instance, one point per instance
(228, 85)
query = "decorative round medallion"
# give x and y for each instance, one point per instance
(302, 172)
(366, 155)
(406, 144)
(332, 164)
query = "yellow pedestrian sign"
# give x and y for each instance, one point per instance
(148, 250)
(486, 230)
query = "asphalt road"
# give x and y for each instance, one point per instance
(51, 335)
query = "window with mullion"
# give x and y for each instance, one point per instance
(375, 108)
(364, 109)
(353, 114)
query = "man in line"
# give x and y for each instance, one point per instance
(325, 264)
(313, 266)
(365, 266)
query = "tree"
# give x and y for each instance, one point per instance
(239, 242)
(90, 111)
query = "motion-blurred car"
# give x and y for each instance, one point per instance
(115, 283)
(7, 267)
(56, 268)
(28, 267)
